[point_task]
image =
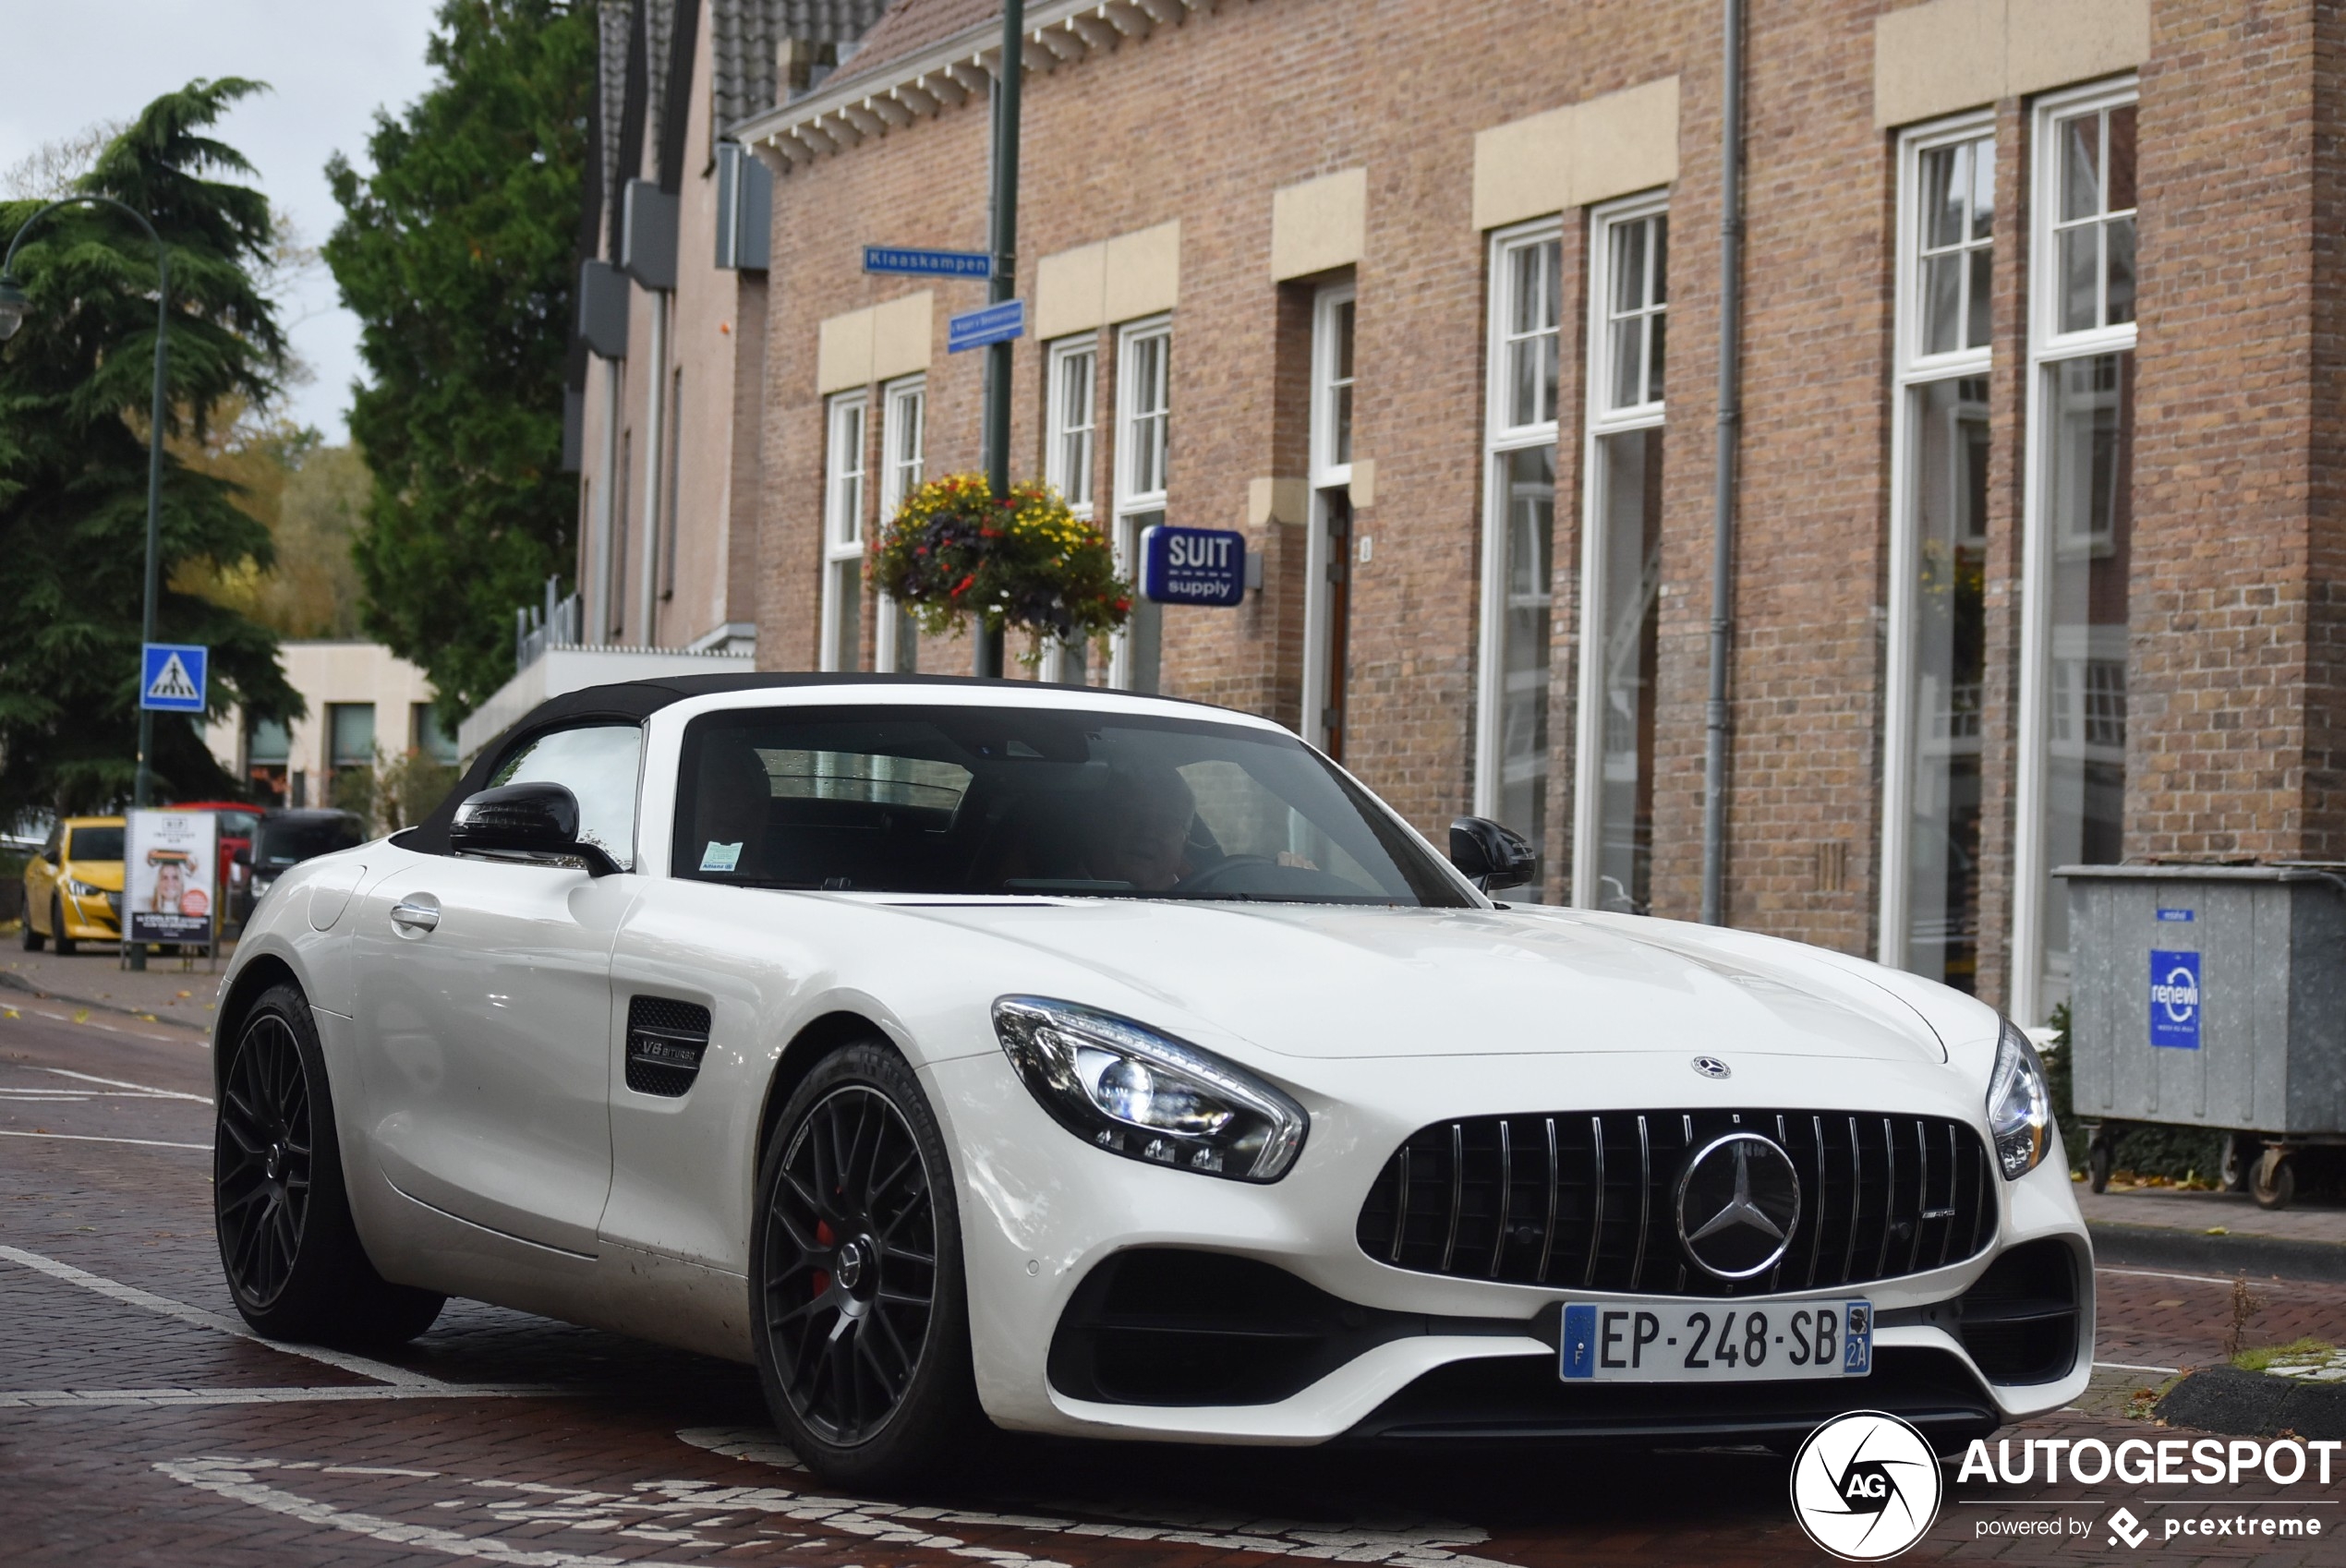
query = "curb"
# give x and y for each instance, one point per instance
(18, 982)
(2159, 1246)
(2225, 1399)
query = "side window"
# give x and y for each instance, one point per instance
(598, 763)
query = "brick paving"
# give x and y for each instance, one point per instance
(637, 1454)
(168, 988)
(2235, 1211)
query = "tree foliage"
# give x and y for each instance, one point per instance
(74, 384)
(456, 255)
(310, 497)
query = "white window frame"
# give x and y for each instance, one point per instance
(2047, 350)
(1061, 421)
(843, 484)
(1910, 369)
(1588, 728)
(1498, 440)
(1326, 475)
(1130, 501)
(899, 400)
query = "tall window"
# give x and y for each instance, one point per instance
(1939, 552)
(1327, 590)
(1519, 532)
(1067, 454)
(904, 432)
(350, 736)
(844, 534)
(2080, 525)
(1621, 556)
(1144, 450)
(1070, 429)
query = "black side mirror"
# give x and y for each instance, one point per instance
(1492, 855)
(536, 822)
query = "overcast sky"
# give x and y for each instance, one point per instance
(332, 65)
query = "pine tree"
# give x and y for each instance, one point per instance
(75, 385)
(456, 255)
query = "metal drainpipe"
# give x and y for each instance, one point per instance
(606, 503)
(1723, 503)
(655, 422)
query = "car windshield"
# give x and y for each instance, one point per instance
(1039, 803)
(95, 844)
(282, 843)
(236, 824)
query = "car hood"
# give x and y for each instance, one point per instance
(1321, 981)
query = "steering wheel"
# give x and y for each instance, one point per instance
(1208, 880)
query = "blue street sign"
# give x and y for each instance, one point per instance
(171, 677)
(927, 263)
(2174, 1000)
(976, 328)
(1205, 566)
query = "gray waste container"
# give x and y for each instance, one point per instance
(2210, 996)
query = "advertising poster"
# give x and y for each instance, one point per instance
(171, 870)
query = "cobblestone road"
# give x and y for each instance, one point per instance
(139, 1424)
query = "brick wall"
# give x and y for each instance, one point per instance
(2239, 628)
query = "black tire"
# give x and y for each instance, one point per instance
(858, 1308)
(32, 939)
(66, 945)
(293, 1257)
(2242, 1150)
(2274, 1183)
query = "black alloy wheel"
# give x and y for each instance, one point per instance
(863, 1340)
(287, 1243)
(261, 1162)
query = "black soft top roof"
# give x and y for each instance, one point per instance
(635, 701)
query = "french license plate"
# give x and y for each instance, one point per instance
(1679, 1341)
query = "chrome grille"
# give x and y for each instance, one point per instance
(1585, 1200)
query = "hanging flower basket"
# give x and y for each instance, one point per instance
(953, 554)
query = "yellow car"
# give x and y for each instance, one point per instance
(73, 887)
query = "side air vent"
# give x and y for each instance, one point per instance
(665, 1041)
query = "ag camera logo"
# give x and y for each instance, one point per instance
(1866, 1486)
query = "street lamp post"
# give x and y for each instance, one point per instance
(13, 307)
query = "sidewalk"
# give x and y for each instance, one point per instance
(2215, 1232)
(163, 991)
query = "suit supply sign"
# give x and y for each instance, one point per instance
(2174, 1000)
(169, 869)
(1205, 566)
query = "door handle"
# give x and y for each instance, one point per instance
(415, 915)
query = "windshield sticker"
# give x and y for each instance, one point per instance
(721, 857)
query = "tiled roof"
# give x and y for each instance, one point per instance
(909, 27)
(747, 34)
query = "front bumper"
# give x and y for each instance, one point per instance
(1041, 1211)
(92, 918)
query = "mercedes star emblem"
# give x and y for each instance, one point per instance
(1738, 1204)
(1710, 1067)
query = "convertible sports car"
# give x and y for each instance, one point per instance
(1095, 1064)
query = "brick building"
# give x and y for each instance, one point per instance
(2036, 527)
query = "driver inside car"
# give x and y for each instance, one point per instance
(1138, 828)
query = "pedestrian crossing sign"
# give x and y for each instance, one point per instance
(172, 677)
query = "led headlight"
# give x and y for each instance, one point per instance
(1147, 1096)
(81, 889)
(2019, 1105)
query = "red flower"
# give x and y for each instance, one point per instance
(1124, 606)
(963, 586)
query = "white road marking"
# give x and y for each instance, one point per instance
(1413, 1542)
(680, 1511)
(2130, 1366)
(93, 1138)
(130, 1295)
(2156, 1274)
(232, 1478)
(125, 1084)
(157, 1398)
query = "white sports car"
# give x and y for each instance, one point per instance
(1104, 1065)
